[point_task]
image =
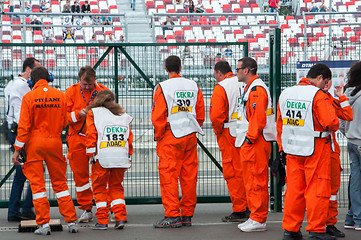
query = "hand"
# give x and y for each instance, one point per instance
(83, 113)
(15, 158)
(339, 91)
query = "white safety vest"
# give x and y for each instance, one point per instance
(113, 134)
(181, 96)
(234, 90)
(269, 131)
(298, 132)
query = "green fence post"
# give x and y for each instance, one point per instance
(116, 74)
(275, 89)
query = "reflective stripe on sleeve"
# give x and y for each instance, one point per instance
(39, 195)
(117, 201)
(73, 117)
(90, 150)
(62, 194)
(19, 144)
(83, 188)
(101, 204)
(333, 198)
(344, 104)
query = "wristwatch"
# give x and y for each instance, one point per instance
(248, 141)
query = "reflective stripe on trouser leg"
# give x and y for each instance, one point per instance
(116, 193)
(79, 164)
(34, 172)
(100, 177)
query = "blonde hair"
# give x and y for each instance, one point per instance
(106, 98)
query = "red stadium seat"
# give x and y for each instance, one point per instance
(50, 63)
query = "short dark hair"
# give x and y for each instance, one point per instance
(173, 64)
(319, 69)
(29, 62)
(86, 71)
(354, 78)
(39, 73)
(249, 63)
(223, 67)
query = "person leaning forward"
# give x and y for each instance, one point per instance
(177, 115)
(42, 118)
(223, 113)
(78, 97)
(304, 121)
(256, 127)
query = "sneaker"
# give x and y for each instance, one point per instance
(253, 226)
(86, 217)
(332, 230)
(98, 226)
(358, 227)
(28, 216)
(112, 217)
(244, 223)
(186, 221)
(169, 222)
(237, 216)
(322, 236)
(43, 230)
(72, 227)
(349, 226)
(119, 224)
(288, 235)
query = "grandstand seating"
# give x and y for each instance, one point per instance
(223, 28)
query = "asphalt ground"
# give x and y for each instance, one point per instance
(207, 225)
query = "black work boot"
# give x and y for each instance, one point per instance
(186, 221)
(332, 230)
(237, 216)
(288, 235)
(169, 222)
(321, 236)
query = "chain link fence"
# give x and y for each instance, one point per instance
(131, 71)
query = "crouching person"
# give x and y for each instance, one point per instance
(109, 146)
(42, 118)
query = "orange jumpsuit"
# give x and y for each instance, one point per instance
(308, 178)
(255, 157)
(106, 182)
(42, 118)
(344, 113)
(177, 159)
(78, 160)
(231, 162)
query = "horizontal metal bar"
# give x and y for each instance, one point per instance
(61, 25)
(116, 44)
(214, 14)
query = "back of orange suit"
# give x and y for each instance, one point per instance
(308, 174)
(77, 99)
(231, 162)
(344, 112)
(177, 155)
(42, 118)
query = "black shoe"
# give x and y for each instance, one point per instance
(186, 221)
(28, 216)
(237, 216)
(131, 5)
(119, 224)
(15, 218)
(322, 236)
(169, 222)
(288, 235)
(332, 230)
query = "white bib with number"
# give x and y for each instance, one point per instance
(298, 132)
(113, 134)
(181, 96)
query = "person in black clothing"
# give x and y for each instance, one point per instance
(191, 7)
(36, 22)
(85, 8)
(75, 8)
